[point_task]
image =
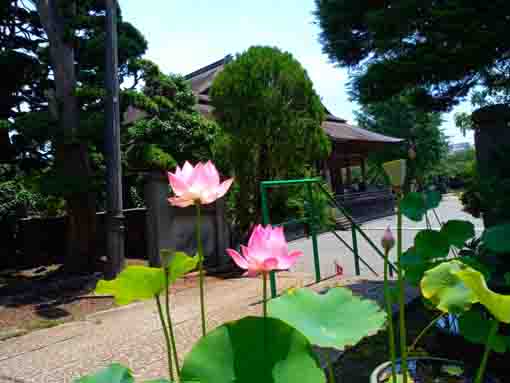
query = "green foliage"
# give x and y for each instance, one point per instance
(238, 352)
(458, 232)
(268, 108)
(415, 205)
(497, 304)
(475, 326)
(399, 118)
(433, 243)
(179, 264)
(134, 283)
(336, 319)
(446, 290)
(173, 130)
(114, 373)
(443, 49)
(141, 282)
(497, 238)
(431, 246)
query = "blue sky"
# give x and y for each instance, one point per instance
(185, 35)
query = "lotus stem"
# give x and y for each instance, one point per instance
(483, 365)
(424, 331)
(201, 268)
(402, 292)
(331, 372)
(264, 294)
(389, 312)
(167, 338)
(170, 325)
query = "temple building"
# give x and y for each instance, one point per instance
(351, 146)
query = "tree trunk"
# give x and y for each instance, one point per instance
(72, 157)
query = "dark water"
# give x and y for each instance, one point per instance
(437, 371)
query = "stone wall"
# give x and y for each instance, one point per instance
(42, 241)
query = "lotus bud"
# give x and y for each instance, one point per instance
(396, 171)
(388, 241)
(412, 153)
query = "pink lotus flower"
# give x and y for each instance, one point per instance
(199, 184)
(267, 250)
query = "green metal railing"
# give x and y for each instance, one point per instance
(310, 218)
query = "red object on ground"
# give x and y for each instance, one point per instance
(339, 270)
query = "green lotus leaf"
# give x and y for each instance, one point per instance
(431, 244)
(114, 373)
(475, 263)
(475, 327)
(413, 206)
(445, 289)
(497, 238)
(432, 199)
(141, 282)
(134, 283)
(180, 265)
(253, 350)
(457, 232)
(335, 319)
(414, 272)
(453, 370)
(497, 304)
(412, 257)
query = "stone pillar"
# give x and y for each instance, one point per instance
(174, 228)
(492, 141)
(156, 194)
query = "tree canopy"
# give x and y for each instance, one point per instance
(399, 118)
(52, 113)
(267, 106)
(442, 49)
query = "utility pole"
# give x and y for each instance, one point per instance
(114, 216)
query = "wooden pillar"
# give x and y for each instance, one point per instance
(348, 173)
(363, 185)
(340, 185)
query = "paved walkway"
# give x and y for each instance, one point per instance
(331, 249)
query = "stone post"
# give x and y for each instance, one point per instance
(492, 141)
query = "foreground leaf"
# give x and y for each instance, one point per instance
(497, 304)
(134, 283)
(445, 289)
(457, 232)
(497, 238)
(475, 327)
(432, 199)
(180, 265)
(432, 244)
(413, 206)
(114, 373)
(253, 350)
(336, 319)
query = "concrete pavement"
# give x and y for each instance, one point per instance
(331, 249)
